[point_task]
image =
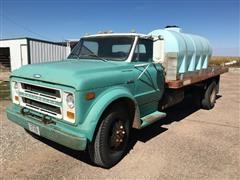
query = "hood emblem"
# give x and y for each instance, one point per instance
(37, 75)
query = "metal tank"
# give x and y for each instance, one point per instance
(192, 51)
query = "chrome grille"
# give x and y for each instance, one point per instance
(42, 99)
(42, 91)
(42, 106)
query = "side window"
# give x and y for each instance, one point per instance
(89, 47)
(143, 51)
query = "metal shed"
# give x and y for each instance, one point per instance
(21, 51)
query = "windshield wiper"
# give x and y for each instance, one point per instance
(96, 56)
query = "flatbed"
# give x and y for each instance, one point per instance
(196, 76)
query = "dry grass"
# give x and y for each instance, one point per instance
(3, 68)
(217, 60)
(4, 90)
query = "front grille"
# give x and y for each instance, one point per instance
(42, 106)
(43, 99)
(43, 91)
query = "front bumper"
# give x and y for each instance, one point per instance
(49, 131)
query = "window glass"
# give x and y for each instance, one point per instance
(143, 51)
(142, 48)
(121, 48)
(115, 48)
(89, 47)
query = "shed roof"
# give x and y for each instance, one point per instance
(33, 39)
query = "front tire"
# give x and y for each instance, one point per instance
(111, 141)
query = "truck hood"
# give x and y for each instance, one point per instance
(80, 74)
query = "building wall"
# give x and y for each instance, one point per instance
(31, 51)
(18, 54)
(41, 52)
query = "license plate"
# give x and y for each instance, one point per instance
(33, 128)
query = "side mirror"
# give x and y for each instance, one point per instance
(158, 50)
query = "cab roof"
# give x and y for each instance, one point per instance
(117, 34)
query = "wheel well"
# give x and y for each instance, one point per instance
(215, 79)
(124, 102)
(200, 87)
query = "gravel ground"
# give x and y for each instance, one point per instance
(188, 144)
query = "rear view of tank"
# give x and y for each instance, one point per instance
(184, 53)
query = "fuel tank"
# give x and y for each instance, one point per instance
(190, 52)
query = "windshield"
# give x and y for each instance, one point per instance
(105, 48)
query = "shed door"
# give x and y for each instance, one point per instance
(24, 54)
(5, 58)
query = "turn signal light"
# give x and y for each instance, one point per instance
(16, 98)
(70, 115)
(90, 95)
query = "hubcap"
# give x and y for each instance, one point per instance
(117, 135)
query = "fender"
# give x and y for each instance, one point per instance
(100, 104)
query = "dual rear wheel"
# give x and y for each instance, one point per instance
(205, 98)
(209, 97)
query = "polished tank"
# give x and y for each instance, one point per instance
(191, 52)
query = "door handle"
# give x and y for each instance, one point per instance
(130, 81)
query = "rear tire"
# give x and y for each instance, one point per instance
(197, 97)
(209, 98)
(111, 141)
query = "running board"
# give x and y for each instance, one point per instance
(151, 118)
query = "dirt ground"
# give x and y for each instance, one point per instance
(188, 144)
(4, 75)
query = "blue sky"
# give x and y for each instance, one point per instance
(56, 20)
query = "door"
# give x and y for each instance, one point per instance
(149, 78)
(5, 58)
(24, 54)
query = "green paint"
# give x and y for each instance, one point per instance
(151, 118)
(109, 80)
(57, 133)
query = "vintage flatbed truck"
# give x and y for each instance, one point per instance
(110, 83)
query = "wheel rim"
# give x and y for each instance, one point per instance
(213, 96)
(117, 136)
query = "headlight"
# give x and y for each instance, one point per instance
(14, 92)
(15, 85)
(69, 107)
(70, 100)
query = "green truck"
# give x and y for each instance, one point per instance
(109, 84)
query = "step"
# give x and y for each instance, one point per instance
(151, 118)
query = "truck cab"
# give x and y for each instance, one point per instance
(143, 77)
